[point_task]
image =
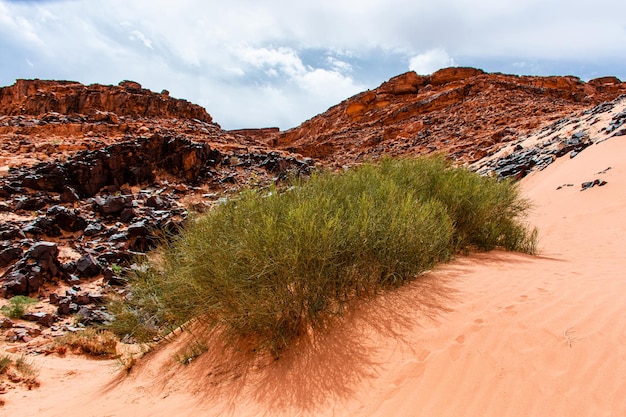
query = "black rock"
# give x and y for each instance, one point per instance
(65, 306)
(93, 229)
(66, 219)
(54, 299)
(127, 215)
(589, 184)
(89, 315)
(15, 283)
(38, 265)
(139, 228)
(110, 205)
(10, 231)
(118, 237)
(111, 278)
(69, 195)
(42, 226)
(81, 299)
(156, 202)
(8, 255)
(45, 319)
(31, 203)
(88, 266)
(69, 267)
(42, 250)
(95, 298)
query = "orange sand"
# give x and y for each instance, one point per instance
(496, 334)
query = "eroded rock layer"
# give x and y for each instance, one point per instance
(37, 97)
(463, 112)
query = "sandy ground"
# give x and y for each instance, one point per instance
(496, 334)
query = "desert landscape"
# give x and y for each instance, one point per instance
(91, 174)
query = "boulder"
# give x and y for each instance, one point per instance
(42, 250)
(87, 266)
(66, 219)
(9, 254)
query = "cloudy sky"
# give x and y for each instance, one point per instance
(259, 63)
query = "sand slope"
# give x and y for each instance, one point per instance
(496, 334)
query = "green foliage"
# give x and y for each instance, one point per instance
(17, 306)
(117, 269)
(272, 266)
(132, 321)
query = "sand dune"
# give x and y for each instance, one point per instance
(495, 334)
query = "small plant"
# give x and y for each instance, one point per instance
(191, 352)
(17, 306)
(132, 324)
(26, 368)
(116, 269)
(19, 371)
(5, 363)
(90, 342)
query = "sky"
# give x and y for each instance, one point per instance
(277, 63)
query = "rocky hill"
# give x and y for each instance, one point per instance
(462, 112)
(37, 97)
(91, 177)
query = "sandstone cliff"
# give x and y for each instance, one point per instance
(463, 112)
(37, 97)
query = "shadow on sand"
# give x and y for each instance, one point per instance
(328, 365)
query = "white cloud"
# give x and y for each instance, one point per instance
(327, 83)
(430, 61)
(135, 34)
(279, 62)
(338, 64)
(284, 59)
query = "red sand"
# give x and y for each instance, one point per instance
(496, 334)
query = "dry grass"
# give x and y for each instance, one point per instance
(19, 371)
(91, 342)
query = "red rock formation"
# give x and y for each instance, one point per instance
(37, 97)
(463, 112)
(48, 119)
(262, 134)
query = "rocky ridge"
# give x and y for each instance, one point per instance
(38, 97)
(565, 137)
(462, 112)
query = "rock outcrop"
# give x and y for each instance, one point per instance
(38, 97)
(463, 112)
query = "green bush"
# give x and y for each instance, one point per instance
(17, 306)
(273, 265)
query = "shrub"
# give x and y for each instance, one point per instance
(275, 265)
(5, 363)
(91, 342)
(17, 306)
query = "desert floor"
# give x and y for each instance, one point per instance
(493, 334)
